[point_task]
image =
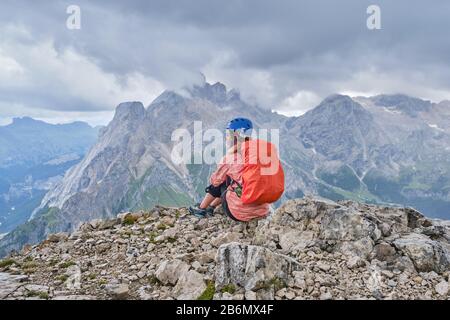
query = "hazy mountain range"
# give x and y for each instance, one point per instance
(34, 156)
(388, 149)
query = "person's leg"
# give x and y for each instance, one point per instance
(207, 200)
(216, 202)
(211, 198)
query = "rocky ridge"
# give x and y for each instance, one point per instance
(309, 248)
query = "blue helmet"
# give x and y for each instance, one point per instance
(240, 124)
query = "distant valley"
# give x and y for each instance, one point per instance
(34, 156)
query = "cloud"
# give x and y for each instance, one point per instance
(284, 55)
(9, 111)
(373, 82)
(36, 75)
(298, 104)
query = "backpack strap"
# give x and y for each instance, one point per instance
(237, 189)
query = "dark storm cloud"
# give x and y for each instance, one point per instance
(281, 54)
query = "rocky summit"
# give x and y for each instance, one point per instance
(308, 248)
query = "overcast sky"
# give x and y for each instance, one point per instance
(283, 55)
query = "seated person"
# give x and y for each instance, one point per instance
(226, 181)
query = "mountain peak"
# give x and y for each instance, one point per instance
(338, 104)
(22, 119)
(169, 97)
(216, 93)
(26, 121)
(125, 109)
(406, 104)
(336, 97)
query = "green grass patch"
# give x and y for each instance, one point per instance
(67, 264)
(229, 288)
(7, 262)
(29, 265)
(208, 293)
(152, 235)
(53, 262)
(275, 283)
(153, 280)
(161, 226)
(62, 277)
(39, 294)
(129, 220)
(92, 276)
(171, 240)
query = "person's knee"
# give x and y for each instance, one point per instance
(214, 191)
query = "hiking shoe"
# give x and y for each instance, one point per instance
(198, 212)
(209, 210)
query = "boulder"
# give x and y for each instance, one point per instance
(384, 252)
(300, 224)
(57, 237)
(251, 267)
(170, 233)
(169, 271)
(226, 237)
(344, 224)
(118, 291)
(94, 224)
(190, 286)
(442, 288)
(108, 224)
(426, 254)
(291, 239)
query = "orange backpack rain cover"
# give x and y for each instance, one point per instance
(263, 175)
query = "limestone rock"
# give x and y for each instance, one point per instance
(118, 291)
(251, 267)
(190, 286)
(442, 288)
(426, 254)
(169, 271)
(57, 237)
(225, 238)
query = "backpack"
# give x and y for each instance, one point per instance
(263, 175)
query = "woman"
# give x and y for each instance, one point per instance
(226, 181)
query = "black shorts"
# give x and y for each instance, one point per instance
(216, 192)
(221, 192)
